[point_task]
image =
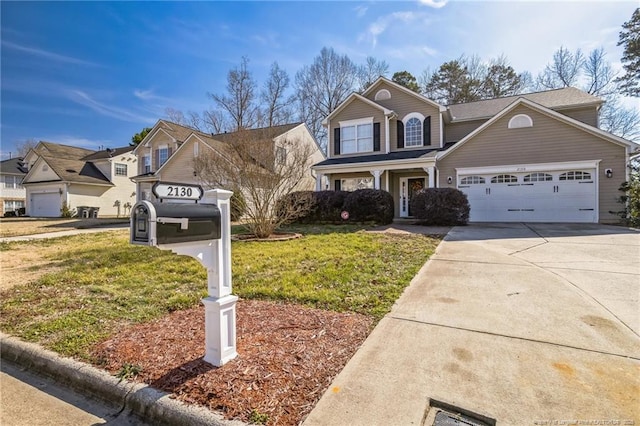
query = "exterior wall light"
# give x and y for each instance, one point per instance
(608, 173)
(449, 179)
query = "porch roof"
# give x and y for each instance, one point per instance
(374, 158)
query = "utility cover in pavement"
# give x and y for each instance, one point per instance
(449, 419)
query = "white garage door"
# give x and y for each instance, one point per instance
(45, 205)
(538, 196)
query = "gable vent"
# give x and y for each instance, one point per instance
(520, 120)
(382, 95)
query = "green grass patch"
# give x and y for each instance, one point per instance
(105, 283)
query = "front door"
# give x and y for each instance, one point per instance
(408, 187)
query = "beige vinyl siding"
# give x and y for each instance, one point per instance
(586, 115)
(403, 104)
(180, 169)
(548, 141)
(456, 131)
(354, 111)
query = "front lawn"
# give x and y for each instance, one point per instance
(102, 283)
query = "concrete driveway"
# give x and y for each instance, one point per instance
(514, 323)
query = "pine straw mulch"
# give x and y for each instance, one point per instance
(288, 356)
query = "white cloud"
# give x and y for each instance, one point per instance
(378, 27)
(83, 98)
(51, 56)
(361, 10)
(436, 4)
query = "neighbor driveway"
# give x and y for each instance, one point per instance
(521, 323)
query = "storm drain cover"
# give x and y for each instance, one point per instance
(444, 418)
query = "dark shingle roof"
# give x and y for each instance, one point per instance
(108, 153)
(76, 171)
(13, 166)
(553, 99)
(50, 149)
(399, 155)
(257, 134)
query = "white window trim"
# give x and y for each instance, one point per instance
(355, 123)
(382, 95)
(404, 122)
(160, 148)
(520, 121)
(115, 169)
(146, 161)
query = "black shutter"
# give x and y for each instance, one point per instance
(426, 131)
(400, 127)
(376, 136)
(336, 141)
(337, 184)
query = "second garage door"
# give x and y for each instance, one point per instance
(540, 196)
(45, 205)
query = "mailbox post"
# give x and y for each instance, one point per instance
(202, 231)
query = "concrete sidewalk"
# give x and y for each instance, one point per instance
(513, 323)
(57, 234)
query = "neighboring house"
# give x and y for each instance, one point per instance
(12, 193)
(168, 152)
(534, 157)
(99, 181)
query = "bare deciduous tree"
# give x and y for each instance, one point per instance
(371, 71)
(277, 106)
(322, 86)
(25, 146)
(599, 74)
(263, 170)
(563, 71)
(239, 102)
(620, 120)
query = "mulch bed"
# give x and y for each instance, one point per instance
(288, 356)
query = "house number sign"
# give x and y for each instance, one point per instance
(177, 191)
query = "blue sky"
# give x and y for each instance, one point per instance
(92, 74)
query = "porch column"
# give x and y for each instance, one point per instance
(319, 179)
(431, 171)
(376, 178)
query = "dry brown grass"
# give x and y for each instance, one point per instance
(12, 227)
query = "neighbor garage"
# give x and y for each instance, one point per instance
(45, 204)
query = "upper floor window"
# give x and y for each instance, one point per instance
(413, 132)
(12, 182)
(121, 169)
(281, 155)
(382, 95)
(356, 138)
(163, 155)
(146, 161)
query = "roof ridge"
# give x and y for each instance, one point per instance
(523, 95)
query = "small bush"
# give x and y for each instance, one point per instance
(296, 207)
(328, 206)
(369, 205)
(440, 206)
(238, 206)
(66, 211)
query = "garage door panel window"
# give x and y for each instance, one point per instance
(538, 177)
(504, 179)
(472, 180)
(575, 175)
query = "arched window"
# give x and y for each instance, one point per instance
(382, 95)
(413, 132)
(520, 120)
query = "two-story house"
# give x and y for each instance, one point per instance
(168, 153)
(12, 193)
(89, 182)
(533, 157)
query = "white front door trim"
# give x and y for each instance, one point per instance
(403, 192)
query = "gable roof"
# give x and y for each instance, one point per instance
(261, 133)
(352, 97)
(73, 164)
(400, 87)
(13, 166)
(546, 111)
(553, 99)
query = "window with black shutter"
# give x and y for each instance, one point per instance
(376, 136)
(426, 129)
(400, 133)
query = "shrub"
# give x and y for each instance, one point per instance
(630, 200)
(66, 211)
(369, 205)
(440, 206)
(238, 206)
(328, 206)
(296, 207)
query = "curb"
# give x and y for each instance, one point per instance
(149, 404)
